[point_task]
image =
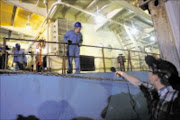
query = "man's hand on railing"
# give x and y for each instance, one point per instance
(80, 44)
(69, 42)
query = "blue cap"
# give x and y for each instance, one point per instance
(17, 45)
(77, 24)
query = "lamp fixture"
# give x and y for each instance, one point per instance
(99, 18)
(28, 27)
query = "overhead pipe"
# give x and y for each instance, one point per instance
(93, 2)
(37, 3)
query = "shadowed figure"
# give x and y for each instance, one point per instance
(54, 110)
(30, 117)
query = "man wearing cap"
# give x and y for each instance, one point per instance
(19, 58)
(162, 99)
(73, 37)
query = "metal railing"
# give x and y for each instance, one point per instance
(129, 65)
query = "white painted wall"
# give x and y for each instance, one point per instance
(103, 37)
(173, 11)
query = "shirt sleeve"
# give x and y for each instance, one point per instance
(80, 37)
(15, 57)
(147, 85)
(148, 90)
(24, 56)
(66, 36)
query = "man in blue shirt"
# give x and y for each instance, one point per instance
(75, 37)
(19, 58)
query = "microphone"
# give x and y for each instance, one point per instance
(113, 69)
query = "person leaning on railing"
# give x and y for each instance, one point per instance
(19, 58)
(73, 37)
(163, 97)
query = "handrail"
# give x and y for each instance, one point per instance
(72, 56)
(16, 39)
(63, 56)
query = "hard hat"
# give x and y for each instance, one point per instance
(77, 24)
(17, 45)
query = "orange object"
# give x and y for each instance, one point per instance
(39, 53)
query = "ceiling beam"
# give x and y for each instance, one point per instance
(91, 3)
(110, 15)
(147, 22)
(65, 9)
(27, 6)
(100, 9)
(37, 3)
(120, 42)
(96, 8)
(21, 30)
(12, 20)
(87, 7)
(151, 44)
(134, 9)
(137, 44)
(13, 15)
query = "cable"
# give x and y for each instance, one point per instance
(132, 101)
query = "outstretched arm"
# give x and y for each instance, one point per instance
(131, 79)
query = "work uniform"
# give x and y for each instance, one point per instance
(19, 59)
(73, 50)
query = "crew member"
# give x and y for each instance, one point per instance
(19, 58)
(73, 36)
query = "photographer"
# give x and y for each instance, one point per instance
(162, 99)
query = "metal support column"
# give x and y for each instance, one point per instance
(129, 61)
(64, 60)
(47, 29)
(4, 63)
(104, 65)
(163, 29)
